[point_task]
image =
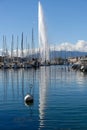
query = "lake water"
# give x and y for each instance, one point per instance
(60, 99)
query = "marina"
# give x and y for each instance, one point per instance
(43, 81)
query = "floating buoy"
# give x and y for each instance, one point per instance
(28, 99)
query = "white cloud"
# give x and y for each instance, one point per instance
(80, 45)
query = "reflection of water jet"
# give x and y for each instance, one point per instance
(44, 83)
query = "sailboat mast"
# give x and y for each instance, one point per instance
(17, 48)
(22, 54)
(6, 50)
(32, 43)
(3, 47)
(12, 46)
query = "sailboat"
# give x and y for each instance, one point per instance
(26, 63)
(35, 62)
(5, 64)
(15, 62)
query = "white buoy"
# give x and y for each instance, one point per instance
(28, 99)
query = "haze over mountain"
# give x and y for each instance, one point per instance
(65, 49)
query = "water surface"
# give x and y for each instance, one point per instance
(60, 99)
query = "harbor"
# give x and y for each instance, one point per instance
(43, 65)
(80, 65)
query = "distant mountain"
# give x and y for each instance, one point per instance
(66, 54)
(56, 54)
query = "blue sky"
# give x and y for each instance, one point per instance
(66, 20)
